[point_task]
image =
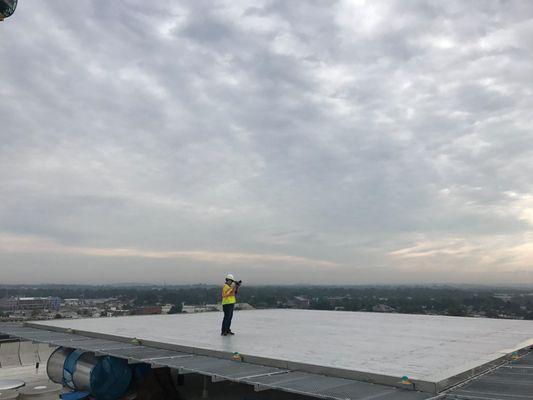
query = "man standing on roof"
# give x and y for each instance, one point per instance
(229, 290)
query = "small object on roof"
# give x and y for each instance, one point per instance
(136, 342)
(515, 356)
(236, 357)
(406, 380)
(7, 8)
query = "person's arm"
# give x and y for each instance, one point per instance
(228, 292)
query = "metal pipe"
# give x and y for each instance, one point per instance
(205, 394)
(84, 368)
(56, 363)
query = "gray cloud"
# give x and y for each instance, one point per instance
(339, 142)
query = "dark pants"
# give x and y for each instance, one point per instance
(228, 315)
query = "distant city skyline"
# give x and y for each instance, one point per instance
(343, 142)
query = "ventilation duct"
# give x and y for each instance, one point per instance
(106, 378)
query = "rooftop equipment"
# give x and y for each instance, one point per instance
(106, 378)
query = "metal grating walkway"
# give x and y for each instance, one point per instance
(219, 369)
(513, 381)
(331, 388)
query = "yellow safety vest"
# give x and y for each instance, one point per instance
(228, 295)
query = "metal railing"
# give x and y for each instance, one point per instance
(16, 353)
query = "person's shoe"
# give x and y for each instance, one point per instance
(223, 334)
(230, 333)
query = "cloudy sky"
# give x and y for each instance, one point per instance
(287, 142)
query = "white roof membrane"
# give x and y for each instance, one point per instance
(382, 348)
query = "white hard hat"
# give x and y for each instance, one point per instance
(230, 276)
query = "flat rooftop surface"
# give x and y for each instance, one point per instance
(428, 348)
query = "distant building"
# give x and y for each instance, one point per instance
(335, 300)
(4, 303)
(382, 308)
(296, 302)
(69, 314)
(301, 302)
(100, 302)
(34, 303)
(242, 306)
(504, 297)
(71, 302)
(190, 309)
(166, 308)
(148, 310)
